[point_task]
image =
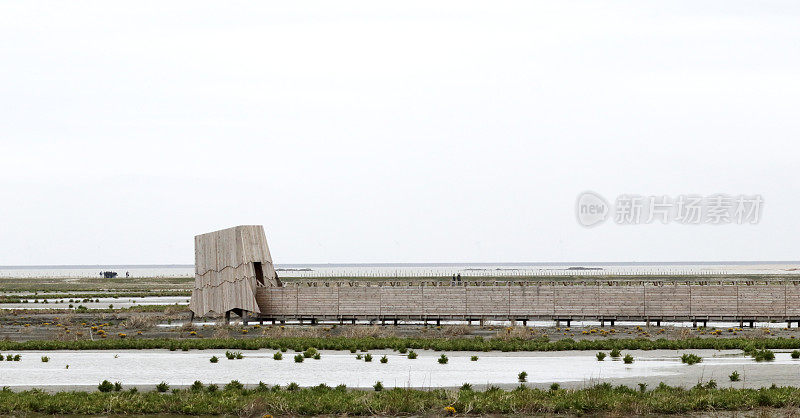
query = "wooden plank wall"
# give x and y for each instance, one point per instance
(224, 271)
(777, 300)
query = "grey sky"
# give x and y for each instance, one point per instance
(404, 132)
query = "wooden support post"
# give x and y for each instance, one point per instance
(228, 318)
(751, 324)
(438, 322)
(694, 323)
(191, 317)
(244, 318)
(612, 322)
(658, 322)
(569, 323)
(395, 321)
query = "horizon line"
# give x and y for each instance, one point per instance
(414, 264)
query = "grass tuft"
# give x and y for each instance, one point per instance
(691, 359)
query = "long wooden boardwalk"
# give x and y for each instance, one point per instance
(603, 300)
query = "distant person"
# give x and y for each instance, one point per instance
(127, 274)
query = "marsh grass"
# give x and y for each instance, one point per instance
(600, 356)
(105, 386)
(762, 355)
(140, 321)
(443, 359)
(277, 356)
(233, 355)
(691, 359)
(628, 359)
(377, 343)
(599, 400)
(234, 385)
(457, 330)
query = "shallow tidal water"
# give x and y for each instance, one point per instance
(121, 302)
(146, 368)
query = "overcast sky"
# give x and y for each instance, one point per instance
(415, 131)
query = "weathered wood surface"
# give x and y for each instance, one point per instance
(225, 277)
(629, 300)
(225, 280)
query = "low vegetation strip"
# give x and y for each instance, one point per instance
(401, 344)
(79, 297)
(80, 309)
(233, 400)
